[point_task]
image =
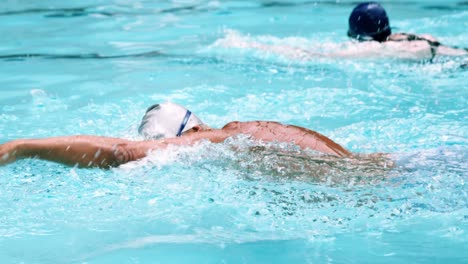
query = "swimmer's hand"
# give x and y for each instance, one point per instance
(10, 152)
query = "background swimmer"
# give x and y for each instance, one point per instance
(370, 30)
(369, 22)
(170, 124)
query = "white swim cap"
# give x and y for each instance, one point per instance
(167, 120)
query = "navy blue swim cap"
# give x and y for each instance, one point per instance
(369, 21)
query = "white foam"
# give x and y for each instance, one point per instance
(301, 49)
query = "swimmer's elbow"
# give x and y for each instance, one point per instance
(120, 155)
(123, 153)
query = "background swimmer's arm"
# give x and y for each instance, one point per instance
(451, 51)
(303, 137)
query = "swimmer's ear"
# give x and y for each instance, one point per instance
(197, 128)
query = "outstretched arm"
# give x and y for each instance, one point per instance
(92, 151)
(83, 151)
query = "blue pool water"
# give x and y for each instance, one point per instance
(93, 67)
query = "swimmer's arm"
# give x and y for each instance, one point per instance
(92, 151)
(81, 151)
(451, 51)
(303, 137)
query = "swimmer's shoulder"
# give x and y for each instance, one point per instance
(413, 37)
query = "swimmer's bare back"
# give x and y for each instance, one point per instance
(274, 131)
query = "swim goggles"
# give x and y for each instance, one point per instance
(184, 123)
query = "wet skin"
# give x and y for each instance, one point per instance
(106, 152)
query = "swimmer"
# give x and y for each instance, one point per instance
(163, 125)
(369, 26)
(369, 22)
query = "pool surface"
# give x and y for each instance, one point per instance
(94, 67)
